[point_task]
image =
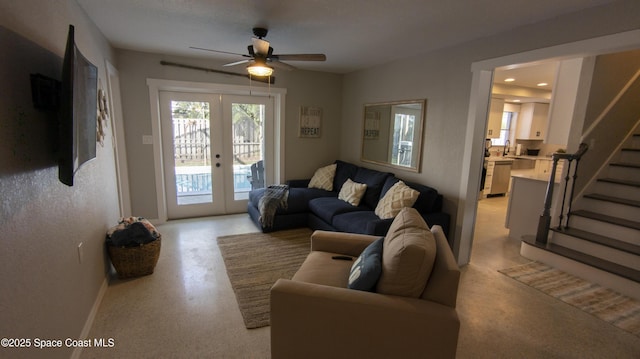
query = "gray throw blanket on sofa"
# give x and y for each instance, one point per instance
(274, 196)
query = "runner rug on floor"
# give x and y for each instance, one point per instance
(255, 261)
(606, 304)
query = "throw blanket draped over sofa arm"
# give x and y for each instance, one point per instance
(275, 196)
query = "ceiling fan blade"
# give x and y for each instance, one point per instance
(222, 52)
(260, 46)
(282, 65)
(300, 57)
(237, 63)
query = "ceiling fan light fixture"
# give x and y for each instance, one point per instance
(259, 69)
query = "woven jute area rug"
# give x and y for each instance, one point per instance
(255, 261)
(606, 304)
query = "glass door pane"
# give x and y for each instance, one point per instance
(192, 149)
(248, 148)
(248, 121)
(191, 140)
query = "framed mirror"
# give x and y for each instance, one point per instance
(392, 134)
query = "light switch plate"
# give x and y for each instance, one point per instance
(147, 140)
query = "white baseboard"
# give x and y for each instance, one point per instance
(92, 315)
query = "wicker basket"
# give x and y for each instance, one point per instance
(132, 262)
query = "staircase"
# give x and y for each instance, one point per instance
(603, 226)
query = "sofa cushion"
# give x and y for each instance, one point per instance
(374, 181)
(352, 192)
(367, 268)
(328, 207)
(353, 222)
(397, 197)
(408, 255)
(363, 222)
(320, 268)
(344, 171)
(323, 178)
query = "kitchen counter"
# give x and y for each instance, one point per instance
(498, 159)
(533, 175)
(526, 204)
(524, 157)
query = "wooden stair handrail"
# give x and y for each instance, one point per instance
(544, 223)
(571, 156)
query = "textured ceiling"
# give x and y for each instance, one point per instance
(354, 34)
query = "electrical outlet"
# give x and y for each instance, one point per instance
(80, 253)
(147, 140)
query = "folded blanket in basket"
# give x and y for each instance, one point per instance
(132, 232)
(274, 196)
(136, 234)
(125, 222)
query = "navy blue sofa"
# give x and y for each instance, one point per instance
(320, 209)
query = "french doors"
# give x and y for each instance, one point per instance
(212, 147)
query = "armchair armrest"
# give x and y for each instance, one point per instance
(316, 321)
(351, 244)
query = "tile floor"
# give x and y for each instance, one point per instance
(187, 308)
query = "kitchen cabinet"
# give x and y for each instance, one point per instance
(497, 177)
(532, 121)
(495, 118)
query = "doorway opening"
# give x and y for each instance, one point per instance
(483, 73)
(515, 90)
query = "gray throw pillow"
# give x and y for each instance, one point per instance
(367, 268)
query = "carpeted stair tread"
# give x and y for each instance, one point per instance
(609, 219)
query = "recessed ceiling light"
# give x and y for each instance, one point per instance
(543, 84)
(510, 79)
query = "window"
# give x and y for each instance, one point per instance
(505, 129)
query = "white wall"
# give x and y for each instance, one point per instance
(46, 292)
(573, 75)
(444, 78)
(304, 88)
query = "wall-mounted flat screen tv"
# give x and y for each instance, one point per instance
(78, 106)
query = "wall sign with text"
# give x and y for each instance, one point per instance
(310, 121)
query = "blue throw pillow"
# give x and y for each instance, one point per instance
(367, 268)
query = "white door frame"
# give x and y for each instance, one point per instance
(119, 145)
(157, 85)
(477, 119)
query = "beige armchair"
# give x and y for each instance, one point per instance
(315, 315)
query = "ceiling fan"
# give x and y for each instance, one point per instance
(261, 58)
